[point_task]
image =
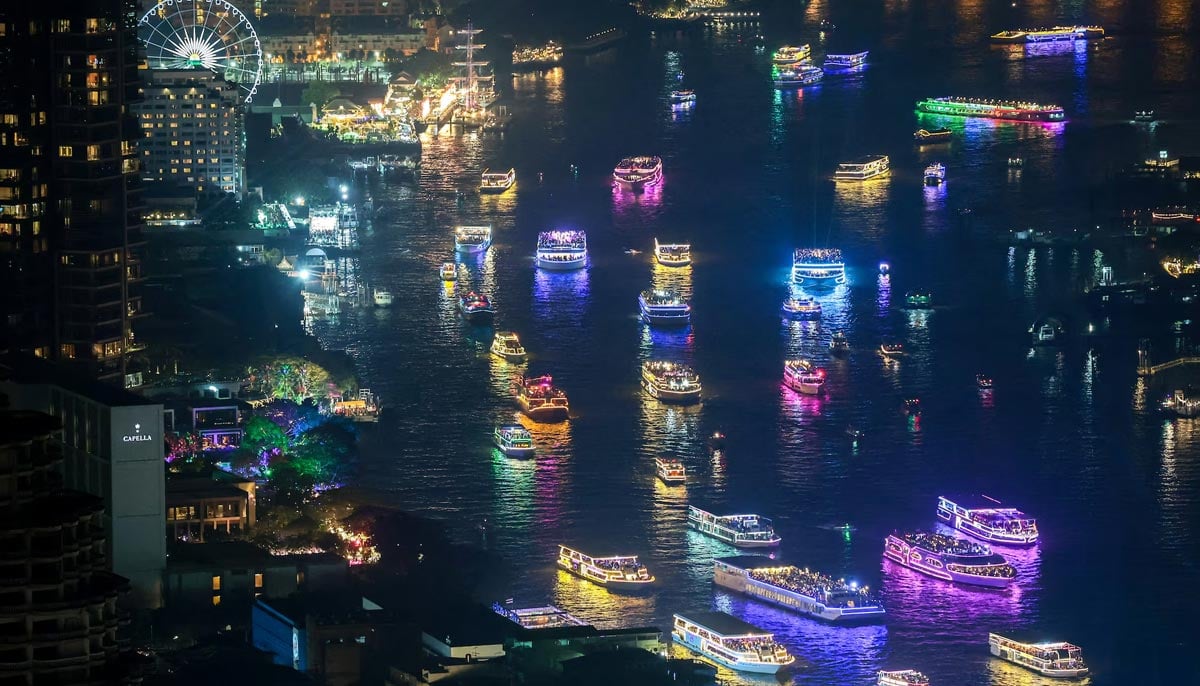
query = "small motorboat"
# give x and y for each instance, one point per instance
(632, 251)
(854, 434)
(885, 268)
(1016, 162)
(801, 308)
(839, 344)
(891, 349)
(448, 271)
(983, 381)
(912, 407)
(716, 441)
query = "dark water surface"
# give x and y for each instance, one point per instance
(1069, 434)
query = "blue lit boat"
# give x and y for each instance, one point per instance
(800, 590)
(845, 61)
(729, 641)
(818, 266)
(660, 307)
(562, 250)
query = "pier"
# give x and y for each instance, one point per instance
(1151, 370)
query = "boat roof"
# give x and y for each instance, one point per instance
(864, 159)
(749, 562)
(976, 502)
(596, 557)
(713, 512)
(1046, 645)
(724, 624)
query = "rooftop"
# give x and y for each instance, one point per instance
(30, 370)
(724, 624)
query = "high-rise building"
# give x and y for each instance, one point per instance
(374, 8)
(194, 133)
(70, 204)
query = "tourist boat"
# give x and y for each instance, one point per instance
(839, 344)
(801, 590)
(497, 182)
(891, 349)
(1145, 116)
(912, 407)
(818, 267)
(382, 298)
(683, 98)
(885, 269)
(636, 173)
(790, 54)
(670, 471)
(1016, 162)
(986, 520)
(935, 174)
(1013, 110)
(933, 135)
(863, 168)
(918, 300)
(507, 346)
(801, 308)
(1180, 404)
(661, 307)
(1050, 34)
(847, 61)
(729, 641)
(1047, 331)
(798, 75)
(800, 376)
(476, 307)
(541, 400)
(472, 239)
(1058, 660)
(983, 381)
(672, 254)
(390, 163)
(670, 382)
(513, 441)
(901, 677)
(716, 441)
(622, 572)
(738, 530)
(530, 58)
(449, 271)
(949, 559)
(561, 250)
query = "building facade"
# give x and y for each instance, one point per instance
(193, 132)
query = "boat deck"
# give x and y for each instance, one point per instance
(724, 624)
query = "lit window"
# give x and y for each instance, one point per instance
(67, 350)
(65, 151)
(216, 583)
(216, 600)
(62, 26)
(258, 580)
(93, 152)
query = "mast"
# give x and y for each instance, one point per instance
(471, 81)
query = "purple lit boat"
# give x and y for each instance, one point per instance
(949, 559)
(635, 173)
(985, 519)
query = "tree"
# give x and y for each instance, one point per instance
(319, 92)
(293, 378)
(262, 435)
(294, 418)
(328, 453)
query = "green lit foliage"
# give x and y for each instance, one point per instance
(261, 435)
(293, 378)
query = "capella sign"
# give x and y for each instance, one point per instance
(137, 436)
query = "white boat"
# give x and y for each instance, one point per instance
(863, 168)
(1058, 660)
(935, 174)
(901, 677)
(636, 173)
(497, 182)
(507, 346)
(818, 267)
(729, 641)
(738, 530)
(801, 308)
(986, 519)
(622, 572)
(888, 349)
(448, 271)
(798, 76)
(683, 98)
(800, 590)
(670, 471)
(949, 558)
(845, 61)
(472, 239)
(661, 307)
(802, 377)
(673, 254)
(561, 250)
(513, 441)
(670, 381)
(382, 298)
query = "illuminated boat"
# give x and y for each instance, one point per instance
(683, 98)
(901, 677)
(1012, 110)
(986, 520)
(1016, 162)
(670, 471)
(729, 641)
(530, 58)
(1144, 116)
(799, 75)
(541, 400)
(848, 61)
(497, 182)
(513, 441)
(476, 307)
(635, 173)
(1050, 34)
(382, 298)
(1058, 660)
(801, 308)
(802, 377)
(935, 174)
(983, 381)
(670, 382)
(918, 300)
(933, 135)
(863, 169)
(472, 239)
(912, 407)
(562, 250)
(949, 559)
(660, 307)
(839, 344)
(1180, 404)
(507, 346)
(672, 254)
(615, 571)
(449, 271)
(818, 266)
(738, 530)
(790, 54)
(891, 349)
(801, 590)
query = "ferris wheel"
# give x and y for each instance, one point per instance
(203, 34)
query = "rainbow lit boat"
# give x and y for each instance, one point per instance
(1058, 660)
(635, 173)
(987, 520)
(541, 400)
(949, 559)
(800, 590)
(1051, 34)
(513, 441)
(738, 530)
(1011, 110)
(802, 377)
(818, 266)
(562, 250)
(901, 677)
(790, 54)
(623, 572)
(729, 641)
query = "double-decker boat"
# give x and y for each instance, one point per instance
(729, 641)
(1013, 110)
(935, 174)
(528, 58)
(738, 530)
(1059, 660)
(670, 382)
(636, 173)
(901, 677)
(839, 344)
(507, 346)
(790, 54)
(949, 558)
(798, 75)
(541, 400)
(670, 471)
(615, 571)
(986, 519)
(683, 98)
(382, 298)
(476, 307)
(1050, 34)
(891, 349)
(801, 308)
(513, 441)
(448, 271)
(818, 267)
(863, 169)
(847, 61)
(673, 254)
(662, 307)
(801, 590)
(918, 300)
(802, 377)
(497, 182)
(562, 250)
(933, 135)
(472, 239)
